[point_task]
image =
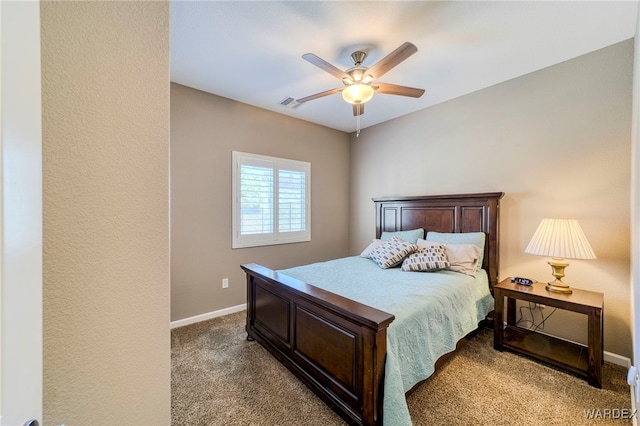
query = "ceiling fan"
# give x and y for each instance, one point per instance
(360, 82)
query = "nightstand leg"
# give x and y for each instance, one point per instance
(511, 311)
(595, 348)
(498, 329)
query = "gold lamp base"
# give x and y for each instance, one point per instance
(557, 286)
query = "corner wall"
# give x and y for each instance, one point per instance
(556, 141)
(205, 129)
(105, 103)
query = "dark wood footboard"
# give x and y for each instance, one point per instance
(336, 346)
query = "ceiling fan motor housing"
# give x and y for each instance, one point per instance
(358, 57)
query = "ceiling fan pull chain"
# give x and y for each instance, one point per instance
(358, 121)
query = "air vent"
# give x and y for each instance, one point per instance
(290, 103)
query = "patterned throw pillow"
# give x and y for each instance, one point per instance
(392, 252)
(427, 259)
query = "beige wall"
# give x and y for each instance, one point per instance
(205, 129)
(557, 142)
(105, 101)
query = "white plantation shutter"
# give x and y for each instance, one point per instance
(256, 199)
(291, 201)
(271, 200)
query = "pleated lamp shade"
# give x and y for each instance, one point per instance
(560, 239)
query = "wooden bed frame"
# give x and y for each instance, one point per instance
(335, 345)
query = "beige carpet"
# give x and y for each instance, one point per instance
(219, 378)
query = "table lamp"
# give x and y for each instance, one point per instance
(560, 239)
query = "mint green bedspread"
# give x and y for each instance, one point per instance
(433, 311)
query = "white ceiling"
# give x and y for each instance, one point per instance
(251, 51)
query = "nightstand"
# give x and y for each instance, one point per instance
(585, 361)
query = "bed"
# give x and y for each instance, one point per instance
(337, 345)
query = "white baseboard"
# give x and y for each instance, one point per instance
(617, 359)
(207, 316)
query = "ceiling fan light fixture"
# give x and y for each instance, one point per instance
(358, 93)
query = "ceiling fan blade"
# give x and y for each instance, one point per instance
(385, 64)
(324, 65)
(318, 95)
(358, 109)
(394, 89)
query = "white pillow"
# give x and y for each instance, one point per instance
(462, 258)
(475, 238)
(392, 252)
(367, 251)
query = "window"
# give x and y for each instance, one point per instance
(271, 200)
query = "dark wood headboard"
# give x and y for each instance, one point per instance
(446, 213)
